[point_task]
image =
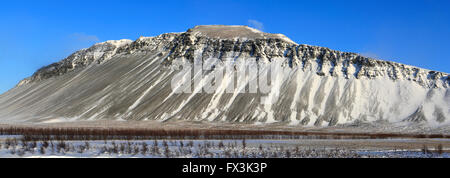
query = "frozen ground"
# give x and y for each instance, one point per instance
(16, 147)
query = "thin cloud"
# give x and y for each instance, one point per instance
(370, 54)
(256, 24)
(77, 41)
(81, 37)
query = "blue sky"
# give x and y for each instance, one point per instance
(37, 33)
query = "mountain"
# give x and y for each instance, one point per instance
(311, 86)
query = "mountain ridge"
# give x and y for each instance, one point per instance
(292, 50)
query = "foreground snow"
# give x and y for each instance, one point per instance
(15, 147)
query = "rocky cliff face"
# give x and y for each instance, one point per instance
(244, 42)
(318, 86)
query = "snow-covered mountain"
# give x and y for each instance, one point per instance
(313, 86)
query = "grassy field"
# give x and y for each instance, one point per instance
(45, 141)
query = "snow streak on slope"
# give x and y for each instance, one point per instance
(314, 86)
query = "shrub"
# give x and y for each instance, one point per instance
(440, 149)
(42, 150)
(144, 148)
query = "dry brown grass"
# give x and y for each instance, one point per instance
(30, 134)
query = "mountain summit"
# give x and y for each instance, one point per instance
(235, 32)
(315, 86)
